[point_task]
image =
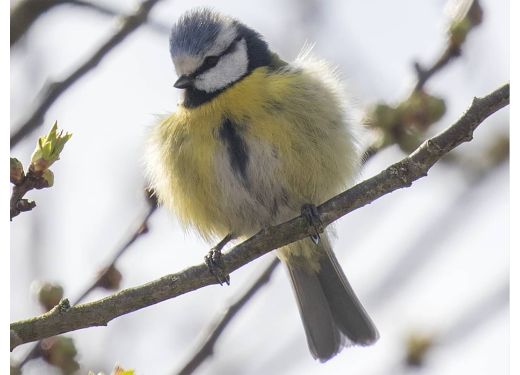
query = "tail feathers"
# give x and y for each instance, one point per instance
(347, 311)
(323, 337)
(331, 313)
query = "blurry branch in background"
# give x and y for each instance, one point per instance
(419, 345)
(404, 124)
(64, 318)
(108, 278)
(206, 347)
(25, 12)
(417, 254)
(465, 15)
(39, 176)
(53, 90)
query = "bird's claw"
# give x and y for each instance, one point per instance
(310, 212)
(216, 266)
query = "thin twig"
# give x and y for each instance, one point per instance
(17, 202)
(416, 254)
(140, 230)
(26, 12)
(423, 75)
(206, 347)
(107, 11)
(479, 312)
(399, 175)
(472, 15)
(450, 52)
(53, 90)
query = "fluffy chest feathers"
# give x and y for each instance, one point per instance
(254, 154)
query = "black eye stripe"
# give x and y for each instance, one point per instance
(231, 47)
(211, 61)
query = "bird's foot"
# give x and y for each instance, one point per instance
(216, 266)
(215, 263)
(310, 212)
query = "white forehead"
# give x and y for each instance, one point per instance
(185, 64)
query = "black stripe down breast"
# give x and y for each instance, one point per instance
(236, 147)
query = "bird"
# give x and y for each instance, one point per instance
(255, 141)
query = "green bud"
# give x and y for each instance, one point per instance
(417, 348)
(465, 15)
(110, 278)
(121, 371)
(49, 295)
(384, 117)
(459, 31)
(409, 140)
(421, 110)
(48, 177)
(48, 149)
(61, 352)
(17, 173)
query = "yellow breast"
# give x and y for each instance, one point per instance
(293, 129)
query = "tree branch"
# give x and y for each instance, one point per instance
(25, 12)
(207, 344)
(399, 175)
(459, 29)
(53, 90)
(103, 278)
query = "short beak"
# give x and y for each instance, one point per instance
(183, 82)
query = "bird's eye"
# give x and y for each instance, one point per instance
(210, 61)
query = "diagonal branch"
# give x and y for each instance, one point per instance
(103, 278)
(25, 12)
(52, 91)
(207, 345)
(64, 318)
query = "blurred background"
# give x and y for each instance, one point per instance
(430, 263)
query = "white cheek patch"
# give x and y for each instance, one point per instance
(229, 69)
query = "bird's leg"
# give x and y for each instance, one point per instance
(310, 212)
(214, 261)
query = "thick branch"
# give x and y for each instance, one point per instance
(399, 175)
(53, 91)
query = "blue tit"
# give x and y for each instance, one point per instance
(252, 141)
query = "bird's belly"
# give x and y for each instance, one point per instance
(252, 197)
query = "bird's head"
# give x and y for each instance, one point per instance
(211, 51)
